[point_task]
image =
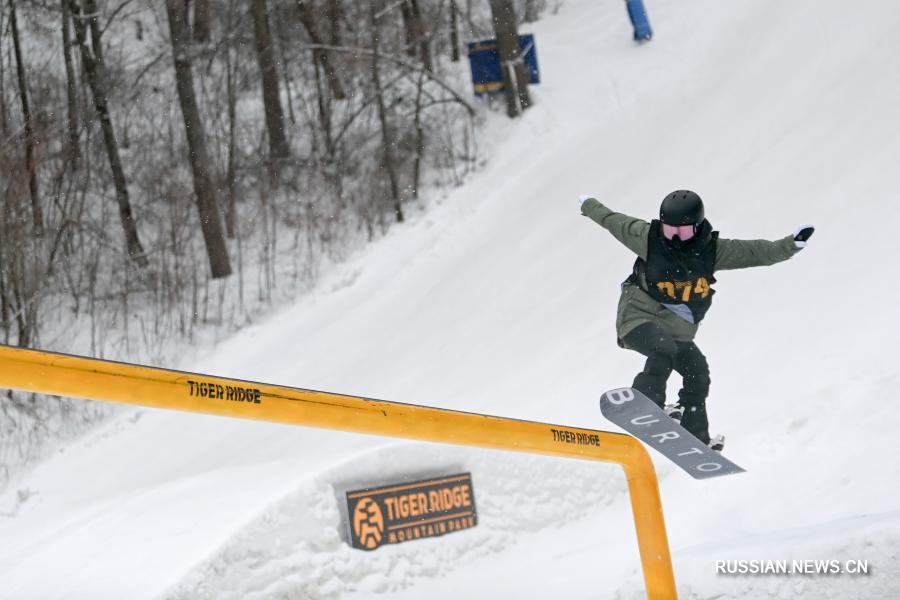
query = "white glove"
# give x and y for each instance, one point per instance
(802, 234)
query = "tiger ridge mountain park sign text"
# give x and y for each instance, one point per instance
(410, 511)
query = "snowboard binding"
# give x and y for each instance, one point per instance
(675, 412)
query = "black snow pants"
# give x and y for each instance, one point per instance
(663, 355)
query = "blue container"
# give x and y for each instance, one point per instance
(487, 77)
(638, 15)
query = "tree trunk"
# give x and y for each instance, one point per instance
(416, 34)
(210, 222)
(423, 36)
(93, 16)
(94, 68)
(420, 136)
(73, 149)
(201, 21)
(387, 141)
(322, 56)
(286, 75)
(4, 111)
(231, 175)
(324, 106)
(410, 40)
(335, 12)
(515, 75)
(37, 214)
(454, 31)
(4, 305)
(278, 146)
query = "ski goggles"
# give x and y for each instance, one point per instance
(684, 232)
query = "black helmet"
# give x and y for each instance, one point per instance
(681, 207)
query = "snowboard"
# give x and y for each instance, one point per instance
(641, 417)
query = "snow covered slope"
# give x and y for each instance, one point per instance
(501, 299)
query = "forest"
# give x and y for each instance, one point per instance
(171, 170)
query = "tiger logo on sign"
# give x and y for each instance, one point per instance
(368, 523)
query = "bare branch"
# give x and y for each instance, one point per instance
(398, 61)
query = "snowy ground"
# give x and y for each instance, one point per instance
(502, 300)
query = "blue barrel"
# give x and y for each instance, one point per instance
(487, 77)
(638, 15)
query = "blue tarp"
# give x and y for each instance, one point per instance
(638, 15)
(485, 64)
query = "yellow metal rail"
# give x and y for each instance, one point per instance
(81, 377)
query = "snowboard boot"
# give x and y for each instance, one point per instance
(676, 412)
(694, 421)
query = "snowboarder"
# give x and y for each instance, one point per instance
(670, 290)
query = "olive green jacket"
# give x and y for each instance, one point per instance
(637, 307)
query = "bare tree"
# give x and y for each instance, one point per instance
(201, 21)
(73, 149)
(210, 222)
(515, 76)
(416, 34)
(335, 14)
(322, 56)
(231, 71)
(387, 137)
(420, 136)
(399, 125)
(408, 28)
(4, 111)
(278, 146)
(37, 213)
(454, 31)
(95, 70)
(19, 280)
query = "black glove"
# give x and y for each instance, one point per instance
(801, 234)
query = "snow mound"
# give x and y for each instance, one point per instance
(296, 548)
